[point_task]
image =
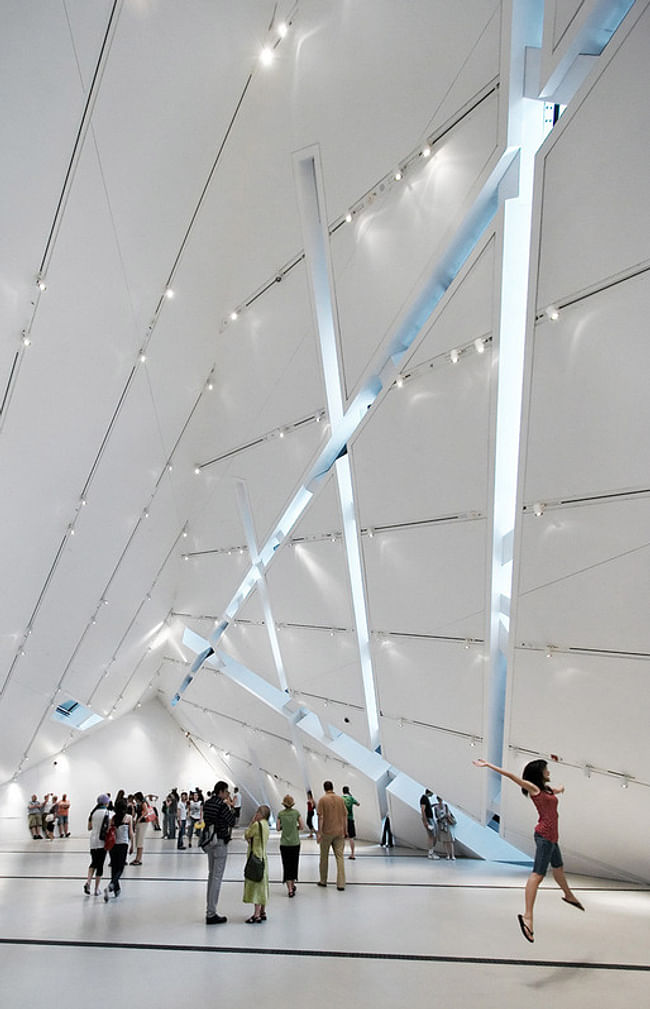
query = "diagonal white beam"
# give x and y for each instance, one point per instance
(311, 201)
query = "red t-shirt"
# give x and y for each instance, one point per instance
(547, 825)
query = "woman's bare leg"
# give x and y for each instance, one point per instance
(532, 886)
(561, 880)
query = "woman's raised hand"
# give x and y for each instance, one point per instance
(479, 762)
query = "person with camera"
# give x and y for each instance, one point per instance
(219, 819)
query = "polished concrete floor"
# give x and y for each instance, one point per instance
(406, 930)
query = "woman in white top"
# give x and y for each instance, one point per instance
(123, 823)
(97, 825)
(195, 814)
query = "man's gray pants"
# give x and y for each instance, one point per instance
(217, 853)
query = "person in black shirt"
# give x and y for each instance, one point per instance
(218, 812)
(429, 821)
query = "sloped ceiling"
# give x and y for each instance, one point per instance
(171, 357)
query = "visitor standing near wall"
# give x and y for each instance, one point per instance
(351, 830)
(62, 816)
(445, 822)
(34, 814)
(219, 817)
(311, 809)
(236, 798)
(141, 824)
(426, 810)
(181, 819)
(194, 815)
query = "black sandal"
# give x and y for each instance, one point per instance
(253, 920)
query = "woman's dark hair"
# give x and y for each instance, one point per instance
(120, 812)
(534, 772)
(139, 797)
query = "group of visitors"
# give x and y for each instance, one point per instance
(43, 817)
(183, 815)
(335, 823)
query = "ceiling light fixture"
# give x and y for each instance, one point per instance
(169, 294)
(552, 313)
(197, 470)
(454, 356)
(142, 357)
(348, 217)
(234, 316)
(538, 509)
(398, 175)
(266, 56)
(26, 340)
(283, 28)
(40, 283)
(426, 151)
(479, 343)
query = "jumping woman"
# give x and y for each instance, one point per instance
(536, 784)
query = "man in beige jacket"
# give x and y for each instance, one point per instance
(332, 824)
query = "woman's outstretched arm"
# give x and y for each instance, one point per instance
(528, 785)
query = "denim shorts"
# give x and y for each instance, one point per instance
(545, 852)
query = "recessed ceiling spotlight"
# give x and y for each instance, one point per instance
(26, 340)
(283, 28)
(40, 283)
(348, 217)
(266, 56)
(399, 382)
(169, 293)
(538, 509)
(426, 151)
(480, 345)
(552, 313)
(142, 357)
(210, 386)
(398, 175)
(234, 316)
(197, 470)
(454, 356)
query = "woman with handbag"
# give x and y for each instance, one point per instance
(256, 870)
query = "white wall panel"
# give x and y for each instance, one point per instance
(309, 585)
(319, 663)
(595, 709)
(589, 412)
(250, 645)
(596, 204)
(439, 760)
(439, 682)
(585, 577)
(428, 580)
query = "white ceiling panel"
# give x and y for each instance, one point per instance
(269, 351)
(428, 580)
(591, 228)
(43, 102)
(586, 727)
(399, 236)
(159, 124)
(437, 682)
(589, 417)
(386, 94)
